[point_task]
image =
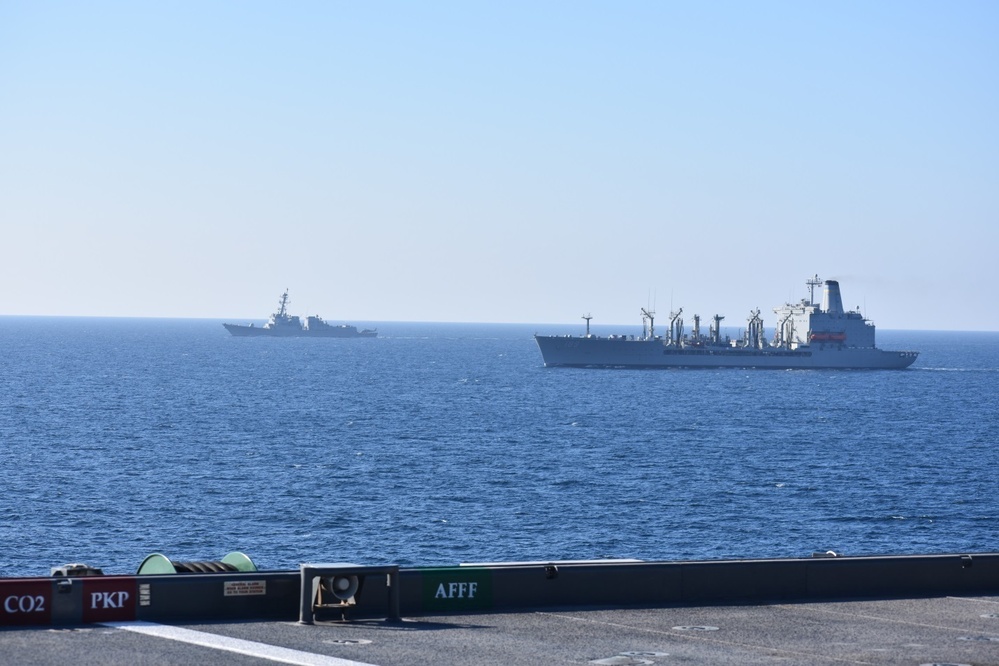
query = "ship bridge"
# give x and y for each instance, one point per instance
(808, 323)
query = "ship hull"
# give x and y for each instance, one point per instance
(596, 352)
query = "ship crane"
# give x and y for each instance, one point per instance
(650, 317)
(715, 329)
(675, 327)
(784, 334)
(754, 330)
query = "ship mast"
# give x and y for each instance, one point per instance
(812, 283)
(587, 317)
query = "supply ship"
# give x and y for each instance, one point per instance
(808, 335)
(283, 325)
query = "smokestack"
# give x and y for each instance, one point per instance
(832, 302)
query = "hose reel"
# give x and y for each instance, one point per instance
(158, 563)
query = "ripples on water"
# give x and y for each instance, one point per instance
(439, 444)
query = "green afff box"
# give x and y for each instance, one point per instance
(457, 589)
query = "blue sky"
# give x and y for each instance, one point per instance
(499, 162)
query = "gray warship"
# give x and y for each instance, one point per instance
(808, 335)
(283, 325)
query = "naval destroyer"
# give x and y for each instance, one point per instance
(807, 335)
(283, 325)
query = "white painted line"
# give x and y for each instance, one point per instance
(238, 645)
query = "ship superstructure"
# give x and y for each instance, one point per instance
(282, 324)
(807, 335)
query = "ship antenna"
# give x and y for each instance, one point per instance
(812, 283)
(587, 317)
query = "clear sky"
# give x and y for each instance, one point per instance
(499, 161)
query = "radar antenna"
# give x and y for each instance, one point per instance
(283, 310)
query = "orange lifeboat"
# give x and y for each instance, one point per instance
(824, 336)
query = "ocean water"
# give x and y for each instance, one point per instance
(435, 444)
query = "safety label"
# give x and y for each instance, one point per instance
(245, 588)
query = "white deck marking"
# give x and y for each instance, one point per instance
(216, 642)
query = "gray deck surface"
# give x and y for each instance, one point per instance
(944, 630)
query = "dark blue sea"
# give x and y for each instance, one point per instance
(436, 444)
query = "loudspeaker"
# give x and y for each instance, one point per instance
(342, 587)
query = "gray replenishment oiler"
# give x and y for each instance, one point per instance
(807, 336)
(283, 325)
